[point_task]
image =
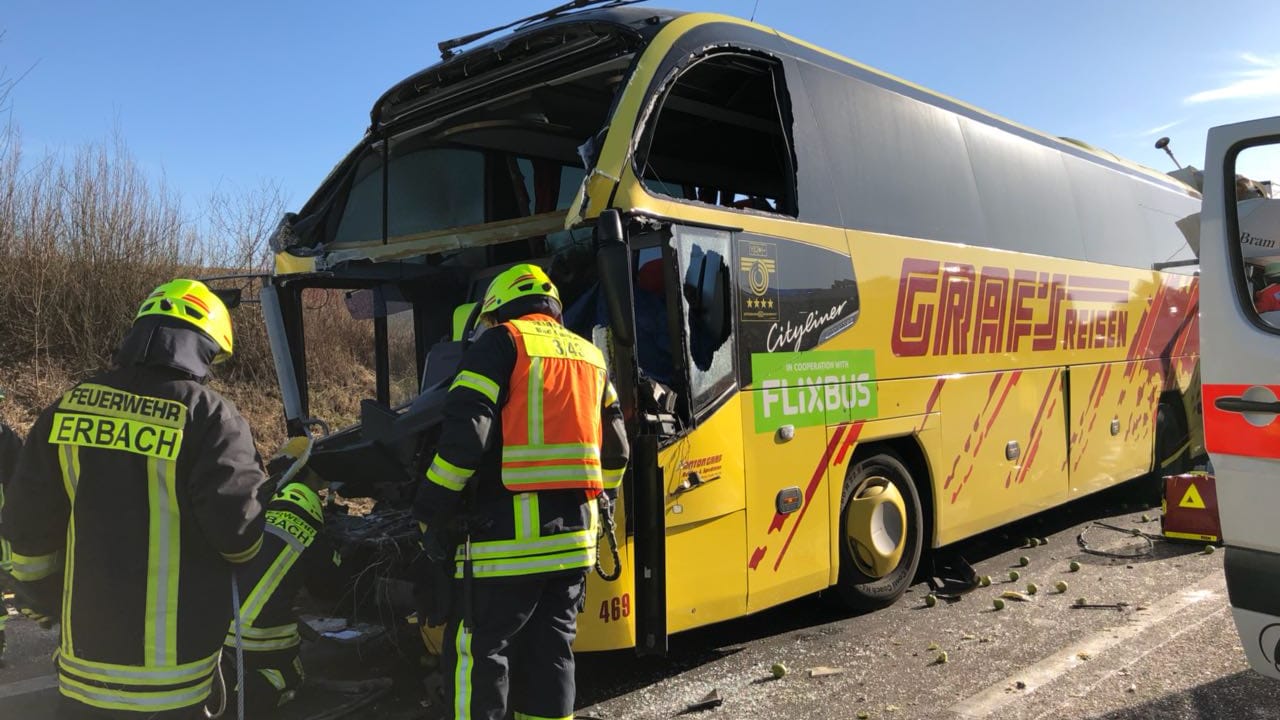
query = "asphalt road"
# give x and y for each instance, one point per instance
(1169, 652)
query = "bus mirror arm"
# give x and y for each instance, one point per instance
(614, 264)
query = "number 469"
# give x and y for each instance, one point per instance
(614, 609)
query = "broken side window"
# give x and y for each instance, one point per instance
(722, 136)
(702, 258)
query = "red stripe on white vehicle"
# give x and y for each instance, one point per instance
(1229, 433)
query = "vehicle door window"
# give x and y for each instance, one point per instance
(1257, 217)
(702, 258)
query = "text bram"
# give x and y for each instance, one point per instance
(958, 309)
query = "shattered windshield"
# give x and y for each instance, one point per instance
(503, 159)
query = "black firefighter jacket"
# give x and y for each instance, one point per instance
(136, 494)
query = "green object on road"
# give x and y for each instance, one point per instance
(1024, 561)
(1075, 566)
(998, 604)
(1061, 586)
(930, 600)
(1209, 549)
(1014, 575)
(1032, 589)
(985, 581)
(779, 670)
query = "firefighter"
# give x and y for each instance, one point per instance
(136, 494)
(10, 446)
(294, 553)
(532, 436)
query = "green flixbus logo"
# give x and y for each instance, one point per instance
(813, 388)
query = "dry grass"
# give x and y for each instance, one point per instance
(84, 237)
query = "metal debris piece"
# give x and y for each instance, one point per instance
(824, 671)
(709, 701)
(1015, 595)
(1095, 606)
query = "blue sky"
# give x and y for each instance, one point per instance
(232, 93)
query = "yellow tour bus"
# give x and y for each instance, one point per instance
(849, 319)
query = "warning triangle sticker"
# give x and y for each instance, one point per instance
(1191, 499)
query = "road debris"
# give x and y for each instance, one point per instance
(1074, 566)
(1024, 561)
(930, 600)
(708, 702)
(1061, 586)
(998, 604)
(1015, 595)
(1209, 549)
(779, 670)
(1014, 575)
(942, 658)
(824, 671)
(1032, 589)
(1081, 603)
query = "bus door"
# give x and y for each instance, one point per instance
(1240, 366)
(705, 504)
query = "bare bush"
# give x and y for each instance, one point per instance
(81, 242)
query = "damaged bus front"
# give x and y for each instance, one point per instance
(475, 164)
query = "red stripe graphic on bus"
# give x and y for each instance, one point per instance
(1037, 429)
(1229, 433)
(854, 430)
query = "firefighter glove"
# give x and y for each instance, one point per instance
(290, 459)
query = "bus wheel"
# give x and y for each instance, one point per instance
(880, 522)
(1172, 440)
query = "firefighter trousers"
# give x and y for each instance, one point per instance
(521, 639)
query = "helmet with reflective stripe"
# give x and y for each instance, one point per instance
(519, 281)
(304, 497)
(192, 301)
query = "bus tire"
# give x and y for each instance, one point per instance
(1172, 439)
(1169, 455)
(881, 533)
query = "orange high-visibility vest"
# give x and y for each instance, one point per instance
(551, 428)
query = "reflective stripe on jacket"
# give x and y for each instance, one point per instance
(135, 494)
(293, 552)
(551, 430)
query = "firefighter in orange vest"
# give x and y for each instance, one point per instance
(532, 437)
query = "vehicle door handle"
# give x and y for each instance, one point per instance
(1240, 405)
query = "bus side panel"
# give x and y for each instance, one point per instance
(607, 622)
(787, 550)
(705, 582)
(1113, 410)
(705, 521)
(1003, 450)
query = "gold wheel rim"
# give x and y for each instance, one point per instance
(876, 527)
